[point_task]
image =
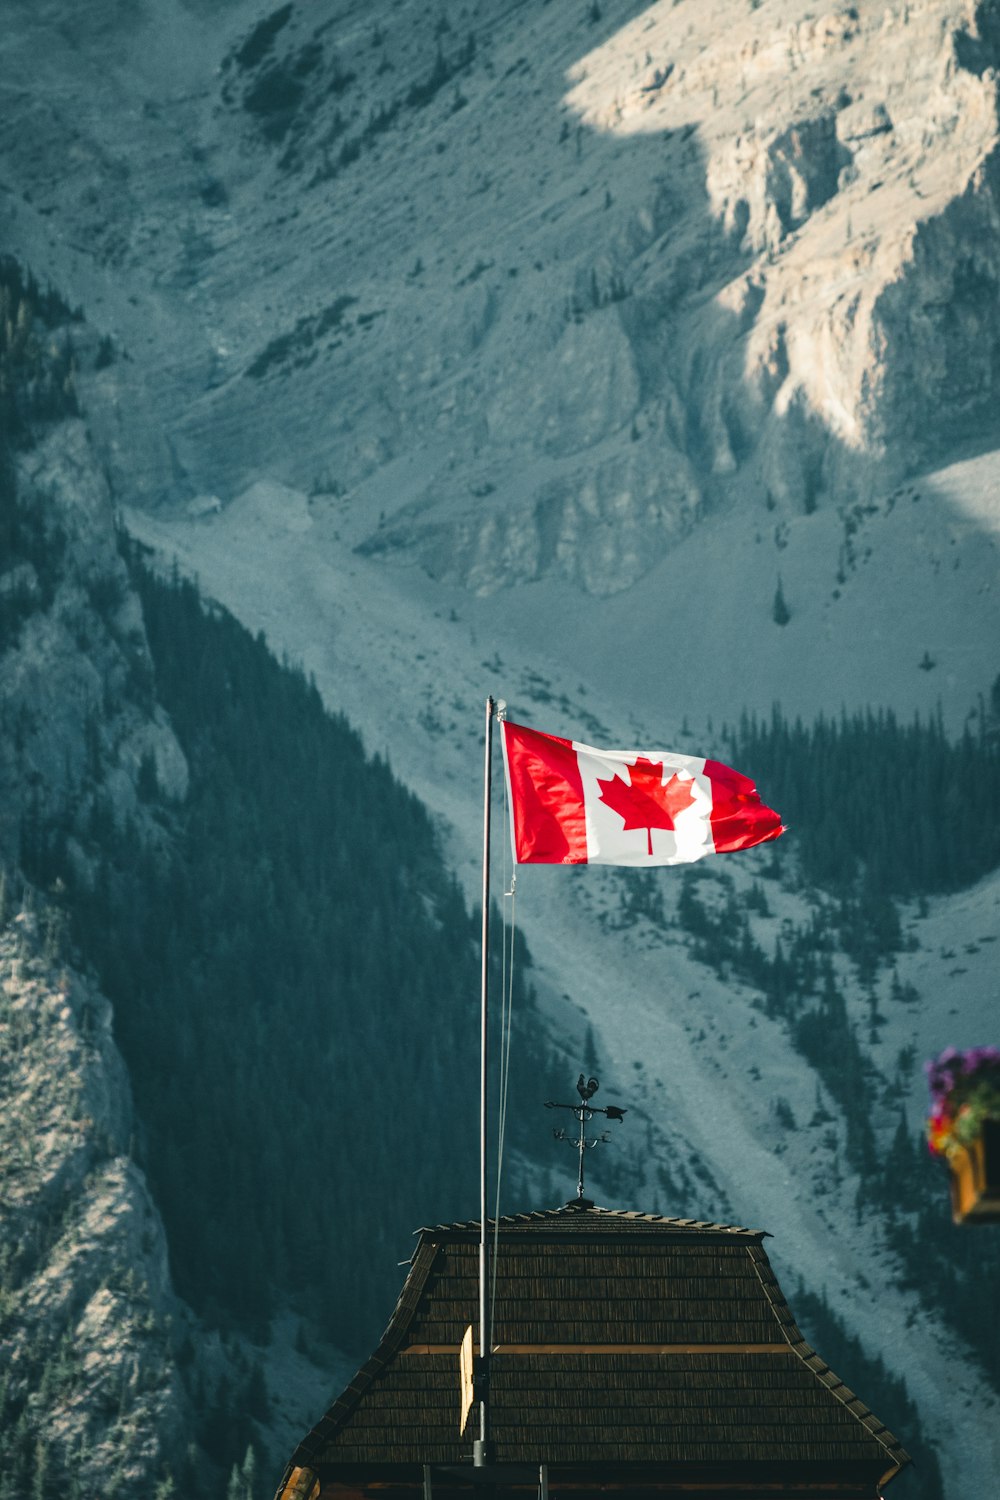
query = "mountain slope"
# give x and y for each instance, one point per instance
(688, 1047)
(688, 250)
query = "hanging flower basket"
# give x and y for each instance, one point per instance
(964, 1128)
(975, 1178)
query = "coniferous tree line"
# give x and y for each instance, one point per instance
(31, 553)
(902, 805)
(36, 385)
(295, 981)
(37, 364)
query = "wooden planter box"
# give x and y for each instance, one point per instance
(975, 1179)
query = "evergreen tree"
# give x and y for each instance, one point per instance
(872, 799)
(291, 968)
(780, 612)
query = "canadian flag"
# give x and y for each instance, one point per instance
(573, 805)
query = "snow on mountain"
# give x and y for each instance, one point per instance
(527, 350)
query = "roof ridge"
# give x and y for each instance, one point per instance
(584, 1208)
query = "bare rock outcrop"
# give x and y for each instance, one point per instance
(598, 524)
(92, 1397)
(800, 308)
(760, 238)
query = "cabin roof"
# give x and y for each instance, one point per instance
(621, 1338)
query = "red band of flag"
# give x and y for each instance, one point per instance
(546, 798)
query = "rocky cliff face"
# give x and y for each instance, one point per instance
(91, 1397)
(590, 280)
(850, 184)
(862, 335)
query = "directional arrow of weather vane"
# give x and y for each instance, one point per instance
(585, 1112)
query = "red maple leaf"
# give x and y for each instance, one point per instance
(645, 802)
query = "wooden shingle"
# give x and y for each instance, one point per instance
(636, 1351)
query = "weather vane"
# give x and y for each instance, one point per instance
(585, 1112)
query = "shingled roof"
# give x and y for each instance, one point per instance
(628, 1345)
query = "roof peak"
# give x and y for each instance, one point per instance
(580, 1213)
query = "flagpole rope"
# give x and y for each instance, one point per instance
(506, 1017)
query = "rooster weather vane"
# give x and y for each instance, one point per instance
(585, 1112)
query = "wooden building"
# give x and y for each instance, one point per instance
(635, 1356)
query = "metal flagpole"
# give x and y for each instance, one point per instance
(480, 1446)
